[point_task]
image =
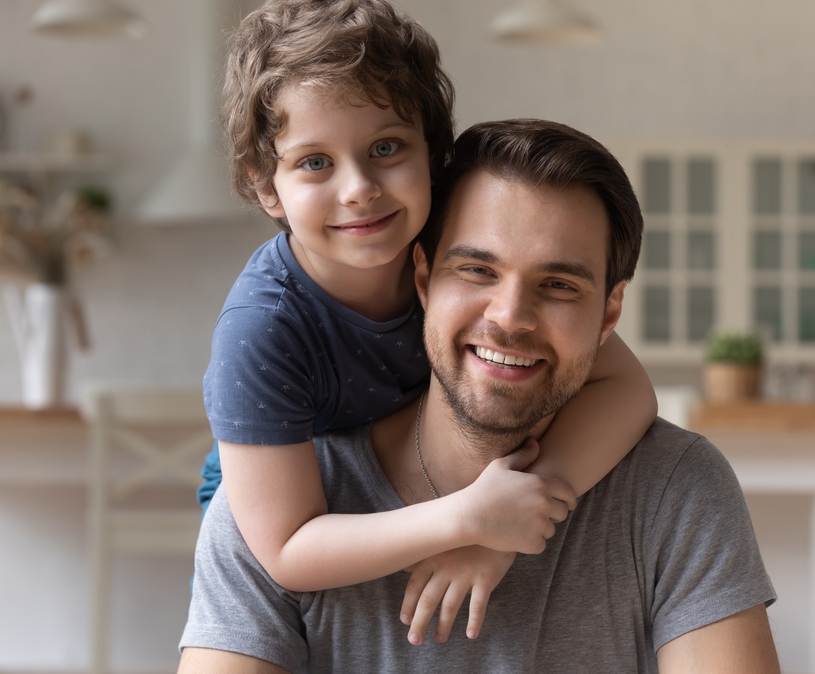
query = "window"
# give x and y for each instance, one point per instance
(783, 248)
(679, 260)
(729, 242)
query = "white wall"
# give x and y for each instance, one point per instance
(665, 69)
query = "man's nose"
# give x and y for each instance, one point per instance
(358, 186)
(512, 307)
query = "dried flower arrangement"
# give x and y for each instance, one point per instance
(38, 244)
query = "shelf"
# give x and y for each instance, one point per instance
(48, 162)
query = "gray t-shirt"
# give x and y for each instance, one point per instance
(661, 546)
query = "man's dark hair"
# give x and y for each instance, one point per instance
(537, 152)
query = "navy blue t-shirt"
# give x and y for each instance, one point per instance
(289, 361)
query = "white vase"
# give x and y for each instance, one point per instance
(37, 318)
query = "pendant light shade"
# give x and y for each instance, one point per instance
(544, 21)
(86, 18)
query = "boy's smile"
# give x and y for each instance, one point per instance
(353, 182)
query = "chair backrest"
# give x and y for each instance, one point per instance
(163, 431)
(140, 438)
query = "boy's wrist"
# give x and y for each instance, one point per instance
(470, 529)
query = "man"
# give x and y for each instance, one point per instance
(534, 233)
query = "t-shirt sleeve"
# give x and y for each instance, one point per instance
(261, 383)
(235, 605)
(701, 548)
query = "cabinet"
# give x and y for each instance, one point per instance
(771, 447)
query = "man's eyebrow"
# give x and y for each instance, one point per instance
(464, 252)
(570, 269)
(470, 253)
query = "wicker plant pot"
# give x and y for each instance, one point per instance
(725, 382)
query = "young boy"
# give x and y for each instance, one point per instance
(337, 117)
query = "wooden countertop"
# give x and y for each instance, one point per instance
(755, 415)
(8, 413)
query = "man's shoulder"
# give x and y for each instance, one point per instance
(670, 457)
(665, 443)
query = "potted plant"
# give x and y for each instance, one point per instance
(733, 366)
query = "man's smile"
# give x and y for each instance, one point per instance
(498, 358)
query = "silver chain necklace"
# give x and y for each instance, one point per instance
(419, 451)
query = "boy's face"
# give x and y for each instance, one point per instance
(352, 179)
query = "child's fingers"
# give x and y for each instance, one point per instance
(557, 510)
(522, 457)
(415, 586)
(425, 610)
(479, 599)
(453, 599)
(562, 491)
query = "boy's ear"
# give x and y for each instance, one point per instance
(614, 308)
(422, 274)
(271, 202)
(268, 198)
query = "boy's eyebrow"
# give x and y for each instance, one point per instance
(465, 252)
(298, 147)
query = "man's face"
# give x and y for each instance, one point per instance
(516, 305)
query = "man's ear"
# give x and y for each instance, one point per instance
(422, 273)
(614, 308)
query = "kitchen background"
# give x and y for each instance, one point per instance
(710, 105)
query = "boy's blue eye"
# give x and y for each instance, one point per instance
(385, 148)
(314, 163)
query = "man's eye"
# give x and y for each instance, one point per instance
(385, 149)
(314, 163)
(559, 285)
(477, 271)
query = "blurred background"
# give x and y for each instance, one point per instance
(108, 145)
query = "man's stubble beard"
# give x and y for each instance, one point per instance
(501, 420)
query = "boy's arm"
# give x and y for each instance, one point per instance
(602, 423)
(276, 497)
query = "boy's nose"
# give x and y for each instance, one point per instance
(358, 186)
(512, 308)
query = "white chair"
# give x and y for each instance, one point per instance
(140, 440)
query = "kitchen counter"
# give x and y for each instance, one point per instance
(42, 447)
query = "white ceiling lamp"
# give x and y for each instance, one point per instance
(197, 188)
(86, 18)
(544, 21)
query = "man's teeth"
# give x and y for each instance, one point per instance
(501, 359)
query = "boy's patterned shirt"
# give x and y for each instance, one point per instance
(289, 361)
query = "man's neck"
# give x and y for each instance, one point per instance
(453, 456)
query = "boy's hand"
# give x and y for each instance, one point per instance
(509, 510)
(445, 580)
